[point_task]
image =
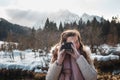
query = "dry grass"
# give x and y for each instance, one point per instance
(29, 75)
(108, 76)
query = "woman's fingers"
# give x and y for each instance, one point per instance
(68, 52)
(73, 44)
(75, 50)
(63, 52)
(73, 47)
(61, 56)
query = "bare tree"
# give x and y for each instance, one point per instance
(91, 36)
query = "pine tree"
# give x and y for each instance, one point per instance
(88, 23)
(46, 24)
(94, 22)
(113, 34)
(60, 27)
(105, 28)
(10, 36)
(52, 26)
(32, 38)
(80, 24)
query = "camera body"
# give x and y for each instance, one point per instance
(67, 46)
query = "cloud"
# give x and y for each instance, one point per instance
(28, 12)
(5, 3)
(22, 14)
(96, 7)
(25, 17)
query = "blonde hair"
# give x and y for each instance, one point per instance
(63, 38)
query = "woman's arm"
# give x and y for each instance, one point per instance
(88, 70)
(56, 66)
(53, 71)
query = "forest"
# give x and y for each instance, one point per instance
(94, 33)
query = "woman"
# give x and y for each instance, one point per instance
(71, 65)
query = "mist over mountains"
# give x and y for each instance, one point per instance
(37, 19)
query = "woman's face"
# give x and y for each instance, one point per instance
(75, 40)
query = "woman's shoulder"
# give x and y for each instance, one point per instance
(87, 49)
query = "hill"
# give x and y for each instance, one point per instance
(16, 30)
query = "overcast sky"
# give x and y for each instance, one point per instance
(105, 8)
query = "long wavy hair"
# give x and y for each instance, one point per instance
(63, 38)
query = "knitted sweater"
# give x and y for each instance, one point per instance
(88, 71)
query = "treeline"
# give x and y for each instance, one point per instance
(7, 28)
(93, 33)
(104, 30)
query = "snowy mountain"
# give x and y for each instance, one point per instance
(65, 16)
(37, 19)
(85, 17)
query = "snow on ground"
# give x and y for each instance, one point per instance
(27, 60)
(104, 58)
(110, 53)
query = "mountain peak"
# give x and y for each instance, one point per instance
(2, 19)
(85, 17)
(85, 14)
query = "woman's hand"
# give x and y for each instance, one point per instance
(75, 54)
(61, 56)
